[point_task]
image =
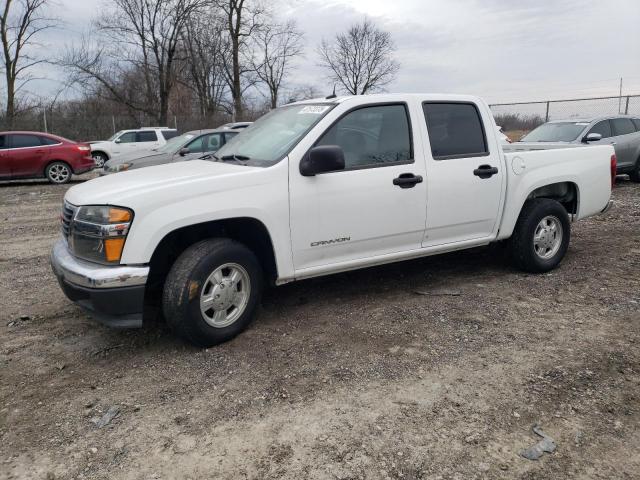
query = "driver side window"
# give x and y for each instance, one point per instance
(603, 128)
(128, 137)
(372, 136)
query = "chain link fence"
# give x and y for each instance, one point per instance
(528, 115)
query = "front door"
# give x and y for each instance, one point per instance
(465, 173)
(125, 143)
(375, 206)
(624, 132)
(27, 155)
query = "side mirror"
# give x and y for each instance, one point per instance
(184, 151)
(326, 158)
(117, 140)
(592, 137)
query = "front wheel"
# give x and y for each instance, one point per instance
(99, 159)
(541, 236)
(212, 291)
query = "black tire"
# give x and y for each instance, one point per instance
(184, 286)
(58, 172)
(634, 175)
(523, 251)
(100, 158)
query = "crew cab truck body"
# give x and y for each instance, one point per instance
(315, 188)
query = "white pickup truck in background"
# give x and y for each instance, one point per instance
(314, 188)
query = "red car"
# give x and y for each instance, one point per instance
(36, 155)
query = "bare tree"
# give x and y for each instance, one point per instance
(361, 60)
(279, 45)
(141, 41)
(206, 47)
(242, 18)
(20, 23)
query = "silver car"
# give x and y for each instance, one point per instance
(621, 131)
(188, 146)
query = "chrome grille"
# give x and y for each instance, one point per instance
(68, 212)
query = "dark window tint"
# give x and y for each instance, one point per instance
(372, 136)
(636, 122)
(49, 141)
(149, 136)
(603, 128)
(169, 134)
(23, 141)
(4, 142)
(623, 126)
(455, 130)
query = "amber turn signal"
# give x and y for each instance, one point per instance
(113, 248)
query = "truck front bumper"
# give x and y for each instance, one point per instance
(113, 295)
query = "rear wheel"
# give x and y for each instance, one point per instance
(212, 291)
(634, 175)
(58, 172)
(541, 236)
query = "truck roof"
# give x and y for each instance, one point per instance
(391, 97)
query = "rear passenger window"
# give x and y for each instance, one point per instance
(636, 122)
(147, 136)
(455, 130)
(623, 126)
(168, 134)
(372, 136)
(603, 128)
(48, 141)
(24, 141)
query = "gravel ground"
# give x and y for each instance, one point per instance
(436, 369)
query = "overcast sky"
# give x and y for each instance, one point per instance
(503, 50)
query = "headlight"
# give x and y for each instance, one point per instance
(120, 167)
(98, 232)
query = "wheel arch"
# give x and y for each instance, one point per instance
(566, 192)
(56, 160)
(249, 231)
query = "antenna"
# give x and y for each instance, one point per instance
(333, 95)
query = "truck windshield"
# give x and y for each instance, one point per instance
(555, 132)
(273, 136)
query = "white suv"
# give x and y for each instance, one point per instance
(126, 141)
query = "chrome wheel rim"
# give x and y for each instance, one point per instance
(99, 160)
(59, 173)
(225, 295)
(548, 237)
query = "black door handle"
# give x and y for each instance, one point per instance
(407, 180)
(485, 171)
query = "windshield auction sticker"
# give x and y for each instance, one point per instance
(315, 109)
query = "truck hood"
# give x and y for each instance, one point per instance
(170, 181)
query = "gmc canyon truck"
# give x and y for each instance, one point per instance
(315, 188)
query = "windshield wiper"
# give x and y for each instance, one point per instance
(236, 157)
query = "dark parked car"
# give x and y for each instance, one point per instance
(188, 146)
(36, 154)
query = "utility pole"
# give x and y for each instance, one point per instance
(620, 98)
(44, 115)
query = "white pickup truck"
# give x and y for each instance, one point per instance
(314, 188)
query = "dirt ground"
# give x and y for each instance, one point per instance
(352, 376)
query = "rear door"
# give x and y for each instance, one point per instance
(27, 155)
(147, 140)
(465, 173)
